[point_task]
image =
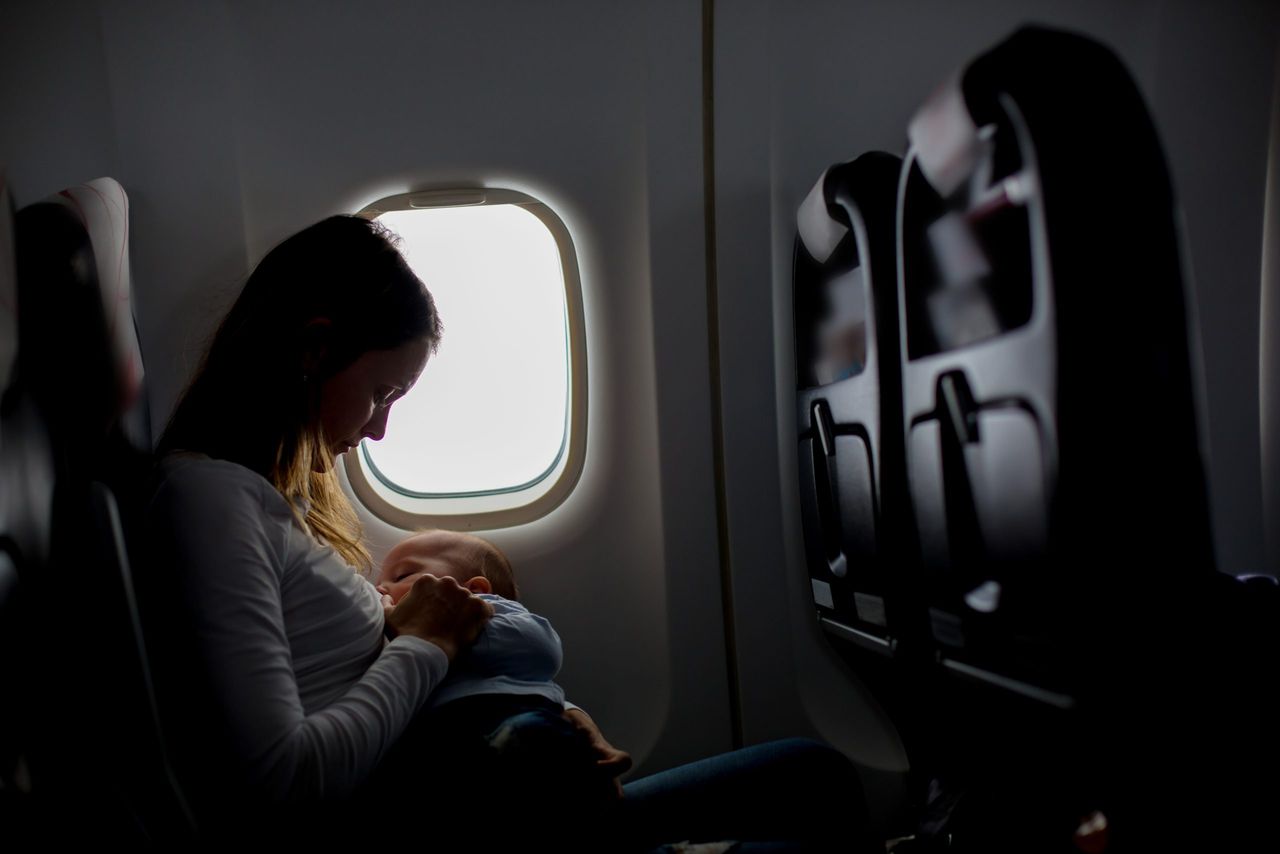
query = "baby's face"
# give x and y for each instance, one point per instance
(396, 581)
(434, 554)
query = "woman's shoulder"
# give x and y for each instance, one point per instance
(191, 466)
(190, 477)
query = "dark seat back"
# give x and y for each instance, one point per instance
(848, 398)
(1054, 461)
(92, 733)
(21, 524)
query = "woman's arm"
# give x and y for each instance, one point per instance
(221, 531)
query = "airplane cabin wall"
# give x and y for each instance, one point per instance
(234, 124)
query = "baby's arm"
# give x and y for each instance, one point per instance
(516, 625)
(520, 643)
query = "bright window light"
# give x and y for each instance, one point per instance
(490, 412)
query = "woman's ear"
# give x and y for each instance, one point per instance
(315, 344)
(478, 584)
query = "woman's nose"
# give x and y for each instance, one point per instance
(377, 426)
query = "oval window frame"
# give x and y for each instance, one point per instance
(519, 505)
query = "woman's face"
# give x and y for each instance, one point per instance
(354, 402)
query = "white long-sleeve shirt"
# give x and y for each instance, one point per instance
(308, 693)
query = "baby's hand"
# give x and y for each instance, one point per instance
(387, 606)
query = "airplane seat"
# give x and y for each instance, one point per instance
(19, 530)
(848, 401)
(25, 461)
(123, 460)
(1054, 463)
(860, 554)
(8, 288)
(91, 725)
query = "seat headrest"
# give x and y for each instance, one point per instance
(102, 207)
(945, 138)
(820, 232)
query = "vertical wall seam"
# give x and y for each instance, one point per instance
(713, 344)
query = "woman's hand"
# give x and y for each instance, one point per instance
(438, 610)
(609, 759)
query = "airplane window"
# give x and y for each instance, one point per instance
(488, 413)
(489, 427)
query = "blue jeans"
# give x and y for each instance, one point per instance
(788, 795)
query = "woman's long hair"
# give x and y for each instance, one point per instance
(253, 401)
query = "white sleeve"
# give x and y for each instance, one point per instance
(222, 540)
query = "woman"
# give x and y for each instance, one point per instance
(311, 677)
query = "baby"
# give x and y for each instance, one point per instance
(497, 720)
(517, 655)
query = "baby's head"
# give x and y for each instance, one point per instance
(476, 564)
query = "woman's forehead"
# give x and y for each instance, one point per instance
(399, 366)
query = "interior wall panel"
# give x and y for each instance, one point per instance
(234, 124)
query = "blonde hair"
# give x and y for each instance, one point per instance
(329, 514)
(348, 272)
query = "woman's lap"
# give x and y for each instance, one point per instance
(788, 795)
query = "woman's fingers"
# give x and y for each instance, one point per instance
(441, 611)
(427, 581)
(612, 759)
(481, 612)
(608, 757)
